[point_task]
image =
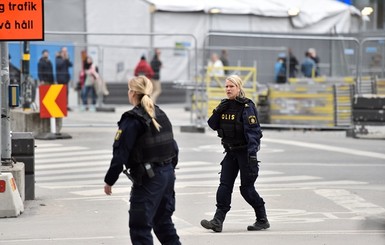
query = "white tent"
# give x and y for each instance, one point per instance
(310, 16)
(198, 17)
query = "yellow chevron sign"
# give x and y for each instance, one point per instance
(53, 101)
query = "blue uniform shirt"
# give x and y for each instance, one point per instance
(129, 130)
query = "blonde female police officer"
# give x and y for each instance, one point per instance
(235, 120)
(144, 145)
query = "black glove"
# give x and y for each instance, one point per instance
(222, 106)
(253, 160)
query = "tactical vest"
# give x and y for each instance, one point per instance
(153, 146)
(231, 124)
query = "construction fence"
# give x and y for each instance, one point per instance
(348, 65)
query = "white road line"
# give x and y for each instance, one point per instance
(84, 170)
(73, 183)
(216, 170)
(196, 163)
(98, 192)
(75, 159)
(215, 183)
(328, 148)
(318, 183)
(197, 176)
(59, 149)
(327, 164)
(181, 179)
(183, 170)
(57, 239)
(286, 178)
(350, 201)
(194, 230)
(71, 165)
(76, 153)
(76, 177)
(48, 145)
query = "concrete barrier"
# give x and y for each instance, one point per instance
(29, 121)
(11, 204)
(18, 172)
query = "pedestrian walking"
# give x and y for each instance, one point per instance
(143, 68)
(308, 66)
(236, 121)
(215, 66)
(91, 76)
(145, 150)
(225, 60)
(63, 64)
(156, 65)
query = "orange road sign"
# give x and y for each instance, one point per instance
(53, 101)
(21, 20)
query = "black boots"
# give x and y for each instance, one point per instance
(259, 225)
(214, 224)
(217, 225)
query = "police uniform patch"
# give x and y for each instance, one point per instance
(252, 119)
(118, 134)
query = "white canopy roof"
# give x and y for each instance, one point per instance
(310, 11)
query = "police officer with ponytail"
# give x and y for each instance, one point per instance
(236, 121)
(145, 150)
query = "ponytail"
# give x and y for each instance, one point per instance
(143, 86)
(149, 107)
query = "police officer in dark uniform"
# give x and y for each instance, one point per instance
(144, 145)
(235, 120)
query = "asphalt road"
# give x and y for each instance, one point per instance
(320, 187)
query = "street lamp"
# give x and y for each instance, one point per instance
(293, 11)
(367, 11)
(214, 11)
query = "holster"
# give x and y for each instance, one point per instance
(136, 174)
(220, 133)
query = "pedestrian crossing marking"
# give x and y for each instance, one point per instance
(351, 201)
(58, 165)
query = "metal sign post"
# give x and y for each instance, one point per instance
(5, 112)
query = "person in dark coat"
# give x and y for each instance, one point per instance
(156, 64)
(63, 64)
(45, 68)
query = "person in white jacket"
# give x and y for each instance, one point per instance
(215, 66)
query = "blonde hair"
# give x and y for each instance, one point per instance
(143, 87)
(237, 81)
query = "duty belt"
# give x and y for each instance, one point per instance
(161, 164)
(233, 147)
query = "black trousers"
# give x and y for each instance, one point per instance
(152, 205)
